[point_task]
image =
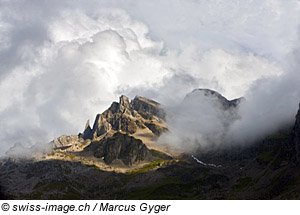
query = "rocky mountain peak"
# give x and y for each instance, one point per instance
(87, 124)
(128, 117)
(87, 133)
(119, 136)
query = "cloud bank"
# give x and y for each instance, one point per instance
(62, 63)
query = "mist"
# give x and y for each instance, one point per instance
(62, 63)
(269, 105)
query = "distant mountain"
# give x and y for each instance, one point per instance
(214, 97)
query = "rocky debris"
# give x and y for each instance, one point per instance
(120, 147)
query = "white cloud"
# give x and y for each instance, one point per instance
(60, 67)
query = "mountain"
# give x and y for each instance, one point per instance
(213, 96)
(118, 158)
(122, 136)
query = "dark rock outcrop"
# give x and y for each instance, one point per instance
(120, 147)
(87, 133)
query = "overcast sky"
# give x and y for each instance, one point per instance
(62, 62)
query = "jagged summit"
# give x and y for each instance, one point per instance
(87, 133)
(128, 117)
(124, 101)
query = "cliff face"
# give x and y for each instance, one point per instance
(147, 108)
(120, 147)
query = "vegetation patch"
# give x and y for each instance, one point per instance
(148, 166)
